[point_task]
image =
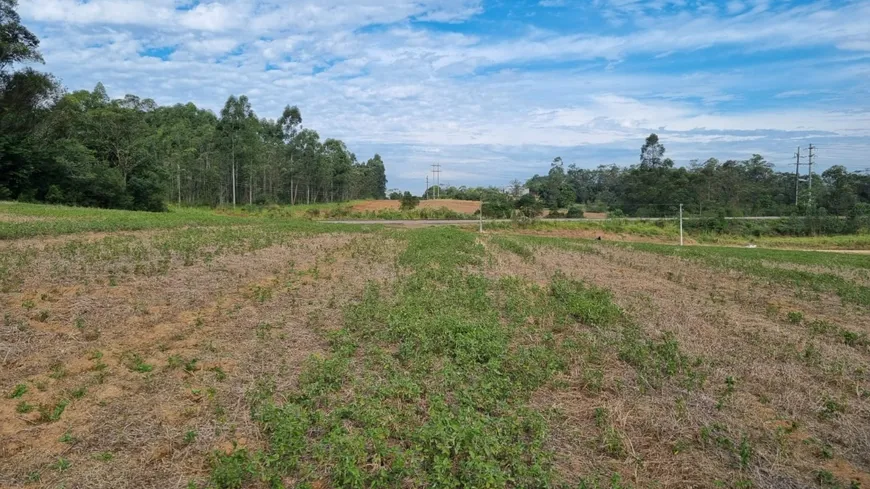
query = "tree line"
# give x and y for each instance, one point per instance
(654, 187)
(83, 148)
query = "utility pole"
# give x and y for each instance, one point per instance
(481, 213)
(681, 224)
(426, 194)
(810, 164)
(797, 165)
(436, 179)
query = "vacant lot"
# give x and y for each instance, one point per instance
(461, 206)
(196, 350)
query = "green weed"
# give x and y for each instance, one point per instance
(219, 374)
(190, 437)
(831, 408)
(49, 413)
(136, 363)
(62, 465)
(67, 437)
(18, 391)
(23, 407)
(795, 317)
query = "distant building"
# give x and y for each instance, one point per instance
(510, 190)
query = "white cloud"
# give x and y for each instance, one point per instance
(211, 47)
(368, 72)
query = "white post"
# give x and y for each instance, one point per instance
(681, 224)
(481, 214)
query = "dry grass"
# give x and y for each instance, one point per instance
(156, 369)
(783, 374)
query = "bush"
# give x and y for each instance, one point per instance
(555, 214)
(597, 206)
(530, 206)
(395, 196)
(575, 212)
(409, 201)
(616, 214)
(54, 195)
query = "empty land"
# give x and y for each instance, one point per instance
(196, 350)
(461, 206)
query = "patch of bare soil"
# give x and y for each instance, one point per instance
(45, 242)
(152, 373)
(595, 234)
(17, 219)
(463, 206)
(789, 385)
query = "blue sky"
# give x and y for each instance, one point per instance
(494, 90)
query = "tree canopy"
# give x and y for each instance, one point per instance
(654, 187)
(86, 149)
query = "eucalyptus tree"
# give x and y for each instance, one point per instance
(235, 127)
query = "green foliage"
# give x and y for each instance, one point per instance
(104, 456)
(763, 263)
(18, 391)
(231, 471)
(575, 212)
(62, 465)
(190, 437)
(84, 149)
(409, 201)
(530, 206)
(514, 247)
(136, 363)
(428, 384)
(831, 408)
(50, 413)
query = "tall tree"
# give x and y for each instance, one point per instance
(651, 153)
(235, 124)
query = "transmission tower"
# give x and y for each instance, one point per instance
(436, 179)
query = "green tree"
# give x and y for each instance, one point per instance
(651, 153)
(235, 128)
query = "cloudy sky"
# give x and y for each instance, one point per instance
(495, 89)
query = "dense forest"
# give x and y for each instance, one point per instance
(655, 187)
(85, 149)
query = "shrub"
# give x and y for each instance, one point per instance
(530, 206)
(409, 201)
(575, 212)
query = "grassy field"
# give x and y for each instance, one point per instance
(669, 232)
(202, 350)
